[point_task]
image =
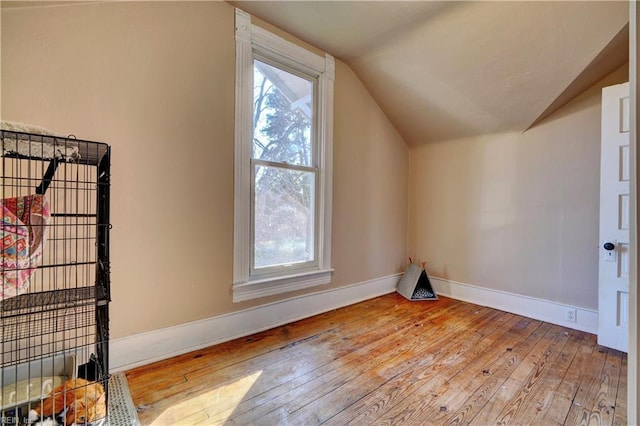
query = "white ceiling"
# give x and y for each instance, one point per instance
(447, 69)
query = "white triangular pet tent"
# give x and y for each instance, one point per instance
(415, 284)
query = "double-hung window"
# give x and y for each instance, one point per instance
(283, 138)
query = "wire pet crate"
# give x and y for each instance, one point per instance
(54, 268)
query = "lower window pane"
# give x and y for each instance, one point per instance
(284, 222)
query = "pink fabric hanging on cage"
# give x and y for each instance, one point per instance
(22, 237)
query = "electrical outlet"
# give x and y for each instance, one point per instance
(570, 315)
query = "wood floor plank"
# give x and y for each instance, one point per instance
(375, 404)
(364, 363)
(564, 394)
(620, 415)
(327, 374)
(474, 389)
(270, 340)
(510, 395)
(602, 411)
(432, 380)
(454, 395)
(539, 397)
(587, 393)
(424, 410)
(331, 337)
(277, 337)
(268, 363)
(513, 410)
(391, 361)
(332, 403)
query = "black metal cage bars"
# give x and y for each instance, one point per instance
(54, 269)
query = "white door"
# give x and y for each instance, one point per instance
(613, 284)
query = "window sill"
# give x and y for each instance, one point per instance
(270, 286)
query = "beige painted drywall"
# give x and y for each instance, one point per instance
(370, 191)
(156, 81)
(516, 212)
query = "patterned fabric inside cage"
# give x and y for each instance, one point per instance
(22, 237)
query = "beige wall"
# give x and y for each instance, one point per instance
(156, 81)
(370, 188)
(511, 211)
(516, 212)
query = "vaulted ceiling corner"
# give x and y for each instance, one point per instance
(612, 57)
(443, 70)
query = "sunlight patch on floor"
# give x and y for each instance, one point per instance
(196, 409)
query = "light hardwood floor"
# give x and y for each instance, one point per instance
(391, 361)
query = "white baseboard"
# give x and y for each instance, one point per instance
(140, 349)
(540, 309)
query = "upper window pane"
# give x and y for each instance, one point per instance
(282, 116)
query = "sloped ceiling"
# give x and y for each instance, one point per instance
(444, 70)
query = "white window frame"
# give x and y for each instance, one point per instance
(252, 39)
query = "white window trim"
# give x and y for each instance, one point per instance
(248, 38)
